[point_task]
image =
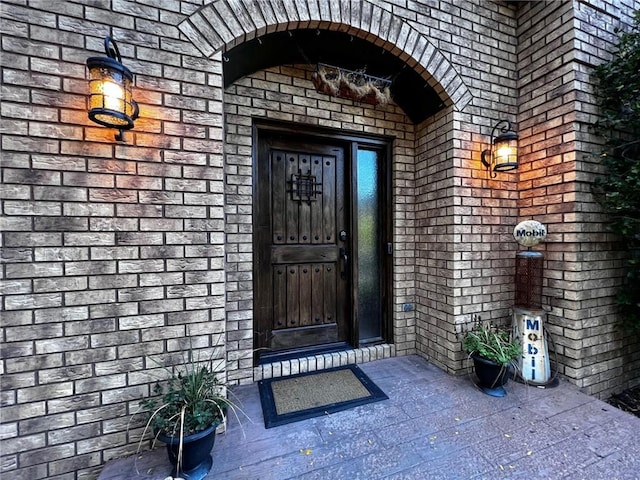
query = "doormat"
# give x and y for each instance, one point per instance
(307, 395)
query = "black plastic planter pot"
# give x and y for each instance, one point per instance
(492, 376)
(196, 453)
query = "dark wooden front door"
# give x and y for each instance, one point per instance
(302, 280)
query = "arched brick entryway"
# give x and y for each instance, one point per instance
(222, 25)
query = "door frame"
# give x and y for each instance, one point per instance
(350, 141)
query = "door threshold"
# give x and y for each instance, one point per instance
(271, 357)
(326, 360)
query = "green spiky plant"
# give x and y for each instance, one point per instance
(492, 343)
(189, 401)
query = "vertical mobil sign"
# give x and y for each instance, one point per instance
(534, 364)
(528, 316)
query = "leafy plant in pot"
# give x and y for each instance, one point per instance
(494, 354)
(185, 414)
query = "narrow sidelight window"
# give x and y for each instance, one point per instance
(369, 251)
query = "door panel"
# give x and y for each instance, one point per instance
(302, 287)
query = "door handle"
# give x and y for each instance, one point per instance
(344, 254)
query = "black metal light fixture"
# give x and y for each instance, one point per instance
(502, 155)
(110, 100)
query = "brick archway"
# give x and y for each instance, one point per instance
(223, 24)
(216, 29)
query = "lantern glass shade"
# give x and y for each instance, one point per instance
(110, 100)
(505, 152)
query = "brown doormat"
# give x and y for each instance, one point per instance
(298, 397)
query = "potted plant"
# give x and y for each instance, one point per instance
(494, 354)
(185, 413)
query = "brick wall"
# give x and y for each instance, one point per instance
(560, 42)
(464, 219)
(112, 253)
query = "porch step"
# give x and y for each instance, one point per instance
(324, 361)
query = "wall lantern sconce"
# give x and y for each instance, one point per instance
(110, 101)
(503, 154)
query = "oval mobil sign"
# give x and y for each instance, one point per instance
(529, 233)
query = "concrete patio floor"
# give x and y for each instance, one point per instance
(434, 426)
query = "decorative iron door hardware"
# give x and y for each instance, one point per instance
(304, 187)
